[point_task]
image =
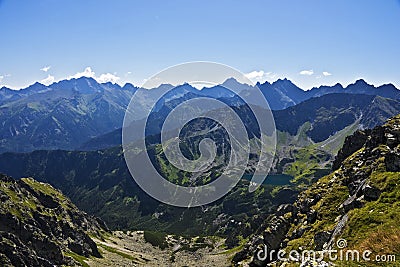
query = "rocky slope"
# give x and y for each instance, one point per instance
(358, 202)
(39, 226)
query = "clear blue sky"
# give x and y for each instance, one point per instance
(133, 40)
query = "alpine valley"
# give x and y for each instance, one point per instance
(68, 199)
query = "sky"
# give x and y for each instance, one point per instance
(310, 42)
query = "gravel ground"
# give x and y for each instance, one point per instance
(131, 249)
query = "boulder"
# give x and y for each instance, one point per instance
(321, 238)
(312, 216)
(371, 193)
(392, 162)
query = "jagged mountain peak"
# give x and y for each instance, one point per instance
(283, 81)
(359, 83)
(129, 87)
(232, 82)
(266, 83)
(337, 86)
(84, 85)
(229, 80)
(36, 86)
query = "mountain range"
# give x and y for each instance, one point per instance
(70, 113)
(309, 134)
(329, 171)
(327, 114)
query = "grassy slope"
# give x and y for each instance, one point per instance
(375, 226)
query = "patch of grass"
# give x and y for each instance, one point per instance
(44, 188)
(308, 161)
(374, 227)
(233, 250)
(16, 205)
(157, 239)
(194, 247)
(78, 258)
(333, 194)
(118, 252)
(13, 196)
(377, 224)
(333, 144)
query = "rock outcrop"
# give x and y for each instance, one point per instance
(357, 201)
(39, 226)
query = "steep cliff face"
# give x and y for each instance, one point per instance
(358, 202)
(39, 226)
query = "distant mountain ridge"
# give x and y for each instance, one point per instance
(69, 113)
(332, 112)
(281, 94)
(327, 114)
